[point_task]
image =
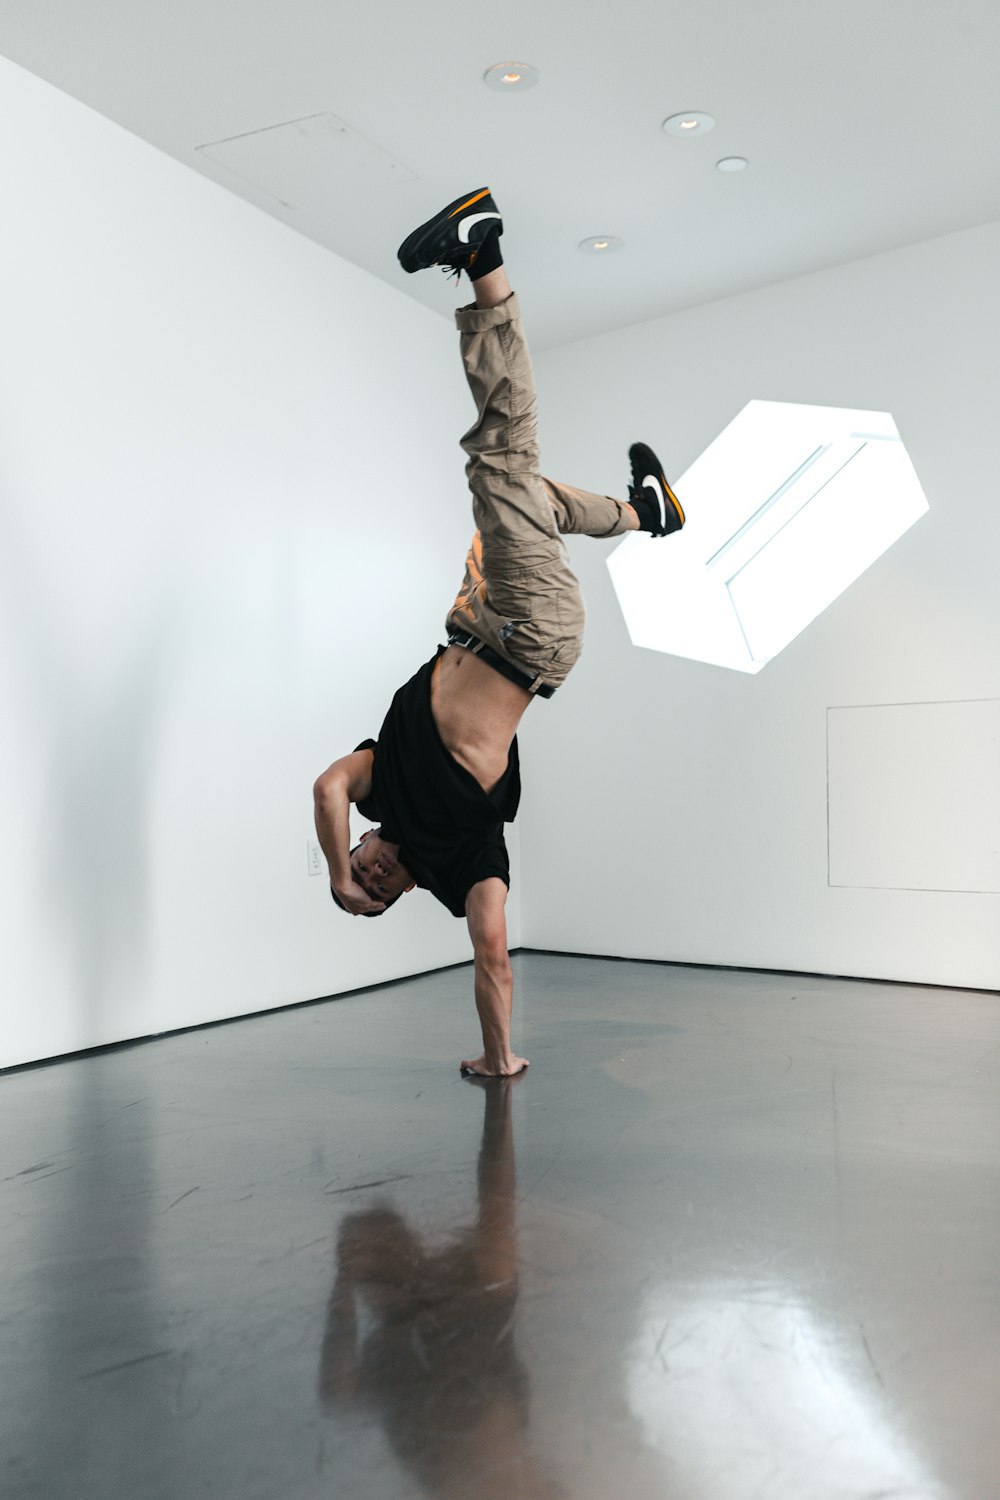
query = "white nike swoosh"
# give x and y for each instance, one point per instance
(464, 225)
(652, 483)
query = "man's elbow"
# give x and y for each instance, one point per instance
(492, 956)
(326, 789)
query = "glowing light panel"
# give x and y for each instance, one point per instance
(785, 510)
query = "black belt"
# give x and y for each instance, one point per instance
(499, 664)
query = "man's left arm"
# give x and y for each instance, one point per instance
(494, 979)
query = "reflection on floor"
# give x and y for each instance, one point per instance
(733, 1235)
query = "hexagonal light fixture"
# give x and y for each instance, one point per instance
(785, 510)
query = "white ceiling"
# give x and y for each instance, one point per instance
(868, 124)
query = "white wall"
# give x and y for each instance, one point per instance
(703, 792)
(232, 516)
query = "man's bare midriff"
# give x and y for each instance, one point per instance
(477, 712)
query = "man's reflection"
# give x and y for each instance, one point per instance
(439, 1366)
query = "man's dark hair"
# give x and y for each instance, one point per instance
(337, 901)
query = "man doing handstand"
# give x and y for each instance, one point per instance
(443, 776)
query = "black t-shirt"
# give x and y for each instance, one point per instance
(449, 831)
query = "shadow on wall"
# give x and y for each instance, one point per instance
(96, 663)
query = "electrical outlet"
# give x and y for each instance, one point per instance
(314, 857)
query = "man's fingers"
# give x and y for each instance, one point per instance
(476, 1065)
(358, 902)
(362, 911)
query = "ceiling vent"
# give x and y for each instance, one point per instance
(301, 162)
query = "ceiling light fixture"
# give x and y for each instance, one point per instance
(510, 76)
(601, 244)
(732, 163)
(690, 122)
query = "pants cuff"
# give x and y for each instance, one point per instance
(473, 319)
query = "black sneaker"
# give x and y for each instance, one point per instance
(654, 502)
(453, 237)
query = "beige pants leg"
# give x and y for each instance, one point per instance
(519, 594)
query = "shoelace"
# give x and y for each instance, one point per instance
(456, 271)
(635, 493)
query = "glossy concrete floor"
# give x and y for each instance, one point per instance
(733, 1236)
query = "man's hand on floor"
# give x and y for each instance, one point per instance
(492, 1067)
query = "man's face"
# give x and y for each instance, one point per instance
(376, 868)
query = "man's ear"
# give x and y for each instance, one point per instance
(364, 835)
(411, 887)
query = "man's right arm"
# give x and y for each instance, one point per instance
(347, 780)
(493, 979)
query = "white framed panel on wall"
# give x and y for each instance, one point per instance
(914, 796)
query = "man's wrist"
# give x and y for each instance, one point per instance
(497, 1050)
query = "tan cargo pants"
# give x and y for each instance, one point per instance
(519, 595)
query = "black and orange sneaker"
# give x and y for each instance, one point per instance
(650, 496)
(453, 237)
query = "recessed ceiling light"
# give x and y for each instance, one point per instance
(510, 76)
(732, 163)
(601, 244)
(691, 122)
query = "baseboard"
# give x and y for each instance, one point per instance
(683, 963)
(250, 1015)
(384, 984)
